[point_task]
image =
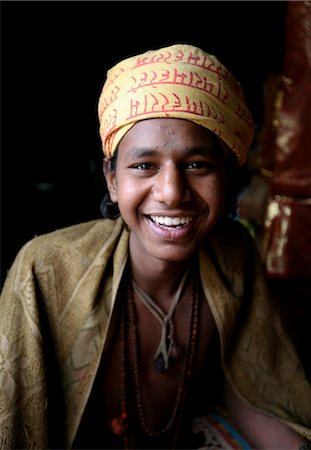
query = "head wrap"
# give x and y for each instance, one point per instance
(179, 81)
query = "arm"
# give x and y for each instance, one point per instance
(263, 431)
(23, 404)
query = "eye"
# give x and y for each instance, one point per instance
(195, 165)
(202, 166)
(144, 166)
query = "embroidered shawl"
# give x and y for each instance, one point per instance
(56, 306)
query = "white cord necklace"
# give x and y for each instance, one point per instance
(167, 346)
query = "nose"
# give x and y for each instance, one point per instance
(170, 186)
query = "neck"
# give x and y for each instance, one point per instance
(159, 279)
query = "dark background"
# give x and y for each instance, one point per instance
(54, 57)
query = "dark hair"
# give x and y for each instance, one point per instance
(234, 184)
(234, 176)
(108, 208)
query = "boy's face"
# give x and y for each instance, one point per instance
(169, 184)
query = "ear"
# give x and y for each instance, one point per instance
(110, 176)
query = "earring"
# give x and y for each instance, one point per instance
(109, 209)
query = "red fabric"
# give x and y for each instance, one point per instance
(287, 236)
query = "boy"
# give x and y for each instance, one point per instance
(128, 332)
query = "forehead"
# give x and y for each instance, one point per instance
(164, 134)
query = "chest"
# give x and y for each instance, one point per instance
(127, 376)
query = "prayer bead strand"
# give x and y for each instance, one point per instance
(186, 373)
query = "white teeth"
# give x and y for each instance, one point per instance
(169, 221)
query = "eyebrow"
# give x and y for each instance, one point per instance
(204, 150)
(138, 152)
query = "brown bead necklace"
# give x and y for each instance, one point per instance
(120, 425)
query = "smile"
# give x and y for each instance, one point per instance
(171, 221)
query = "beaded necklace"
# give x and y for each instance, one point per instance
(120, 425)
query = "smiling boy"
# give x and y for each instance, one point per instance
(132, 330)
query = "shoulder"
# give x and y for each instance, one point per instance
(230, 260)
(234, 248)
(57, 265)
(66, 243)
(232, 235)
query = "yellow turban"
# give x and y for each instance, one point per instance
(179, 81)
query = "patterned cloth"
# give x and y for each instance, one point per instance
(180, 81)
(219, 433)
(56, 307)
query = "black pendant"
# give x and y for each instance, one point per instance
(159, 364)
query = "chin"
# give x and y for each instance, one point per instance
(175, 255)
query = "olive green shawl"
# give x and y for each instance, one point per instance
(55, 310)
